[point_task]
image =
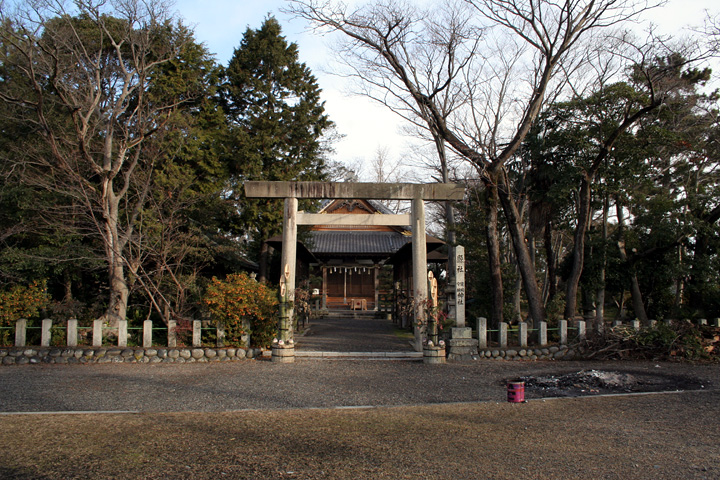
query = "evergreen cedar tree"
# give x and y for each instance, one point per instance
(277, 121)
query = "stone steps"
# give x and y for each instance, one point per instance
(308, 354)
(354, 314)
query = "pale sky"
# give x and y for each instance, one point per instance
(367, 126)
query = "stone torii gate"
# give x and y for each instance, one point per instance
(292, 191)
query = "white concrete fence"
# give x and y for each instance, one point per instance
(99, 331)
(576, 329)
(579, 327)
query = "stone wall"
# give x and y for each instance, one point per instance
(559, 352)
(80, 355)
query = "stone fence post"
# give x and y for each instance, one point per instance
(97, 333)
(72, 332)
(196, 333)
(147, 333)
(45, 333)
(581, 329)
(542, 336)
(172, 334)
(21, 332)
(523, 334)
(562, 325)
(122, 333)
(503, 334)
(220, 341)
(482, 332)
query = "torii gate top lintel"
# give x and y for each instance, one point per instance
(348, 190)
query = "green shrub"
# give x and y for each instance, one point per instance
(237, 298)
(20, 301)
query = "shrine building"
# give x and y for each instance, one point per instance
(351, 256)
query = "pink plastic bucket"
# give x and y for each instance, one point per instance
(516, 392)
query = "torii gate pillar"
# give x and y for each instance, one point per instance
(419, 269)
(287, 266)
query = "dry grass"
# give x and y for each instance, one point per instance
(653, 436)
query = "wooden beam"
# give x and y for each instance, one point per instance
(357, 219)
(369, 191)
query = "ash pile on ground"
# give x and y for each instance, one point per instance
(598, 382)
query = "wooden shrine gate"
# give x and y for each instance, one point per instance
(292, 191)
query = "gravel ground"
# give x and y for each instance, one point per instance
(252, 420)
(260, 384)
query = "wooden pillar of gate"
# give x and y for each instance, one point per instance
(324, 287)
(376, 283)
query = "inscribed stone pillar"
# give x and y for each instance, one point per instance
(419, 257)
(459, 286)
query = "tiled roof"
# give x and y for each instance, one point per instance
(325, 241)
(376, 204)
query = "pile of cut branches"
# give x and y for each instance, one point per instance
(679, 340)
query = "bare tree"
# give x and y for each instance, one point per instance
(86, 72)
(387, 45)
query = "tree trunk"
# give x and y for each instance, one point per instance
(578, 252)
(493, 247)
(449, 210)
(621, 307)
(522, 253)
(600, 295)
(588, 303)
(550, 255)
(635, 293)
(517, 296)
(119, 291)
